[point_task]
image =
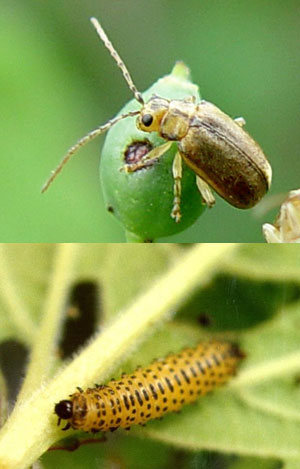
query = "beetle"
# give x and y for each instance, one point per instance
(222, 154)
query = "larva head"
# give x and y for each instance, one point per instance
(64, 410)
(152, 113)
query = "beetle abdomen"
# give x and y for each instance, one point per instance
(164, 386)
(226, 157)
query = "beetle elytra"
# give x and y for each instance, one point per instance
(222, 154)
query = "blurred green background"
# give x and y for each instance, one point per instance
(58, 82)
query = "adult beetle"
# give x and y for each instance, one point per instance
(220, 152)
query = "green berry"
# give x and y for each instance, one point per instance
(142, 201)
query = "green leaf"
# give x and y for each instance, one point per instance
(256, 414)
(291, 464)
(257, 463)
(262, 262)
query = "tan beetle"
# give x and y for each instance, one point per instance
(221, 153)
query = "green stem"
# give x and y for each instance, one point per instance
(34, 418)
(42, 353)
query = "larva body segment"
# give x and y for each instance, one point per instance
(148, 393)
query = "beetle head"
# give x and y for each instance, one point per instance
(152, 113)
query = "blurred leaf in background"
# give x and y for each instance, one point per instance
(254, 420)
(58, 82)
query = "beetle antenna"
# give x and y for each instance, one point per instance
(87, 138)
(118, 59)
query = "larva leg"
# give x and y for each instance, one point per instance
(205, 192)
(240, 121)
(177, 175)
(148, 158)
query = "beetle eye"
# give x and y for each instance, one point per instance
(147, 120)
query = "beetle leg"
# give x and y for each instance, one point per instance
(177, 175)
(240, 121)
(152, 155)
(205, 192)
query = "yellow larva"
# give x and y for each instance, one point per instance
(148, 393)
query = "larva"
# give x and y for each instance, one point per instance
(148, 393)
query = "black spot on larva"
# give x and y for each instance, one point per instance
(153, 391)
(177, 380)
(136, 150)
(187, 379)
(208, 363)
(138, 396)
(169, 384)
(160, 387)
(216, 360)
(201, 367)
(126, 402)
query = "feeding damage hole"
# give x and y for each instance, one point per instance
(136, 151)
(82, 316)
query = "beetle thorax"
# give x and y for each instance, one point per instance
(176, 121)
